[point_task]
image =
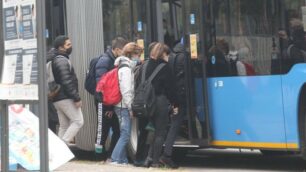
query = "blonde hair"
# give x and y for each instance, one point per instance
(131, 49)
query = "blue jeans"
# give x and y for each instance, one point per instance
(119, 154)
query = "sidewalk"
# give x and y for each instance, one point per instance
(91, 166)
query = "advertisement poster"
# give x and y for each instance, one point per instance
(24, 141)
(140, 42)
(20, 44)
(193, 46)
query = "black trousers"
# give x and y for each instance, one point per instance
(160, 121)
(142, 146)
(105, 124)
(175, 124)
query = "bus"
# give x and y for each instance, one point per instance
(261, 108)
(245, 89)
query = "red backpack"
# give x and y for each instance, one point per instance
(109, 86)
(249, 69)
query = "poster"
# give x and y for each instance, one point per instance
(24, 141)
(140, 42)
(20, 44)
(193, 46)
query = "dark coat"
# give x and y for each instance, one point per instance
(177, 62)
(64, 75)
(105, 64)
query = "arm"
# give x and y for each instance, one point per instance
(66, 76)
(125, 84)
(102, 67)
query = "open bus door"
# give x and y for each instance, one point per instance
(169, 21)
(197, 39)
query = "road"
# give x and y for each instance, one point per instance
(210, 160)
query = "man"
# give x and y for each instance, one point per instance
(177, 62)
(67, 102)
(109, 119)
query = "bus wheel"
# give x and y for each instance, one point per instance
(276, 152)
(132, 147)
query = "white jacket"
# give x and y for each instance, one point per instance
(126, 81)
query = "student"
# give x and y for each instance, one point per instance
(68, 102)
(109, 120)
(165, 91)
(128, 61)
(177, 63)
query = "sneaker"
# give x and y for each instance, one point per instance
(167, 162)
(147, 163)
(139, 163)
(157, 165)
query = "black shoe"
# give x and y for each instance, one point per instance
(157, 165)
(139, 163)
(148, 162)
(167, 162)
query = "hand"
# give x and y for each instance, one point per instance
(109, 114)
(78, 104)
(282, 34)
(175, 111)
(131, 114)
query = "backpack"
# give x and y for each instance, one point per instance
(250, 71)
(53, 87)
(90, 80)
(109, 86)
(144, 101)
(302, 51)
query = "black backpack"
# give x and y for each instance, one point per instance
(90, 80)
(144, 101)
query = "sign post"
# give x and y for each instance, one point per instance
(23, 74)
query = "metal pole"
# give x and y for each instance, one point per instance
(4, 137)
(43, 105)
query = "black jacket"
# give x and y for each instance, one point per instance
(177, 62)
(164, 82)
(64, 75)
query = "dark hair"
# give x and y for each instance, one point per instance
(159, 49)
(60, 41)
(119, 42)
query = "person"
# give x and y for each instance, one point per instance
(142, 146)
(177, 63)
(109, 120)
(165, 91)
(128, 61)
(68, 102)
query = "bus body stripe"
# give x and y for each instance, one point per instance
(256, 144)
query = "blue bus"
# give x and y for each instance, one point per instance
(245, 69)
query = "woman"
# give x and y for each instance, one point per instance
(165, 91)
(126, 63)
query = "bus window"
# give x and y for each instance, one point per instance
(116, 20)
(248, 30)
(293, 34)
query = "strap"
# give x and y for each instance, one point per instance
(61, 56)
(289, 50)
(155, 72)
(143, 72)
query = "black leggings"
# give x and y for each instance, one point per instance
(108, 123)
(160, 121)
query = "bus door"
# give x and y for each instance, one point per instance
(245, 97)
(196, 17)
